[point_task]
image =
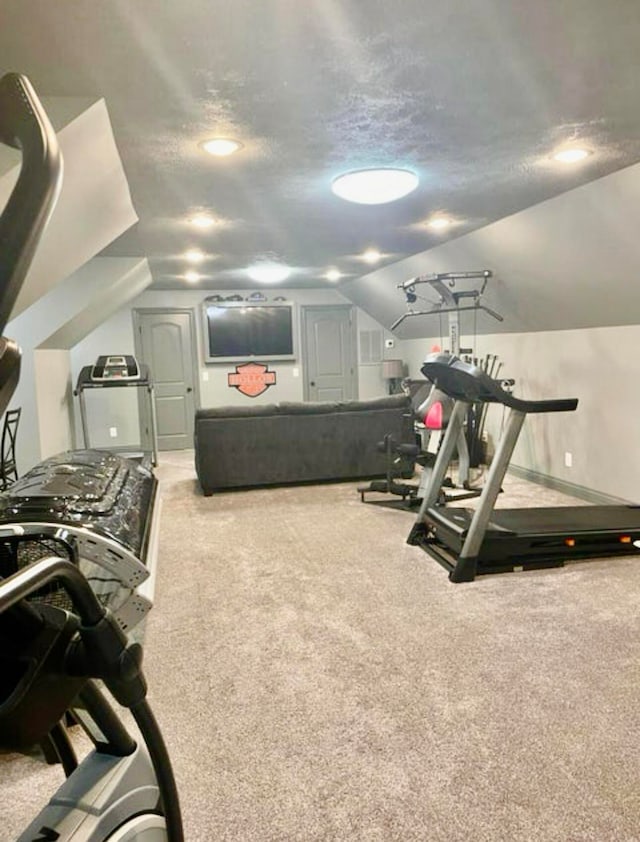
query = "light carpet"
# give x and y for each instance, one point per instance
(319, 679)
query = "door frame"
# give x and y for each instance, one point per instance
(353, 341)
(136, 314)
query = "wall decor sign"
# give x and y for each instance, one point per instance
(251, 379)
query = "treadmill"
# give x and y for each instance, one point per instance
(470, 542)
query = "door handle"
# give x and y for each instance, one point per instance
(189, 389)
(313, 383)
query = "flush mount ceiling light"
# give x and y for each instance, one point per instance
(374, 186)
(194, 256)
(333, 275)
(191, 276)
(220, 146)
(268, 273)
(202, 220)
(371, 256)
(439, 223)
(571, 155)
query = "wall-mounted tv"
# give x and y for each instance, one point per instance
(239, 330)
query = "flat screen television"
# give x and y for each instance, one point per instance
(238, 330)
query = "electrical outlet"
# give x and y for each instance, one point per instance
(568, 459)
(205, 376)
(113, 432)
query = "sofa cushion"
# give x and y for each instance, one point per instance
(237, 411)
(307, 408)
(388, 402)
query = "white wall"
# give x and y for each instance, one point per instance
(599, 367)
(53, 387)
(94, 205)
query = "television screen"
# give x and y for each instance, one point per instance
(248, 331)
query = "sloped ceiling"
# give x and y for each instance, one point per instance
(570, 262)
(473, 96)
(126, 282)
(94, 206)
(50, 322)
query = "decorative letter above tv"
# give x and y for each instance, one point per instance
(240, 330)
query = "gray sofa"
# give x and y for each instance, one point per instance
(244, 446)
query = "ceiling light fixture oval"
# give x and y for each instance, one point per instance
(439, 223)
(221, 147)
(202, 220)
(375, 186)
(266, 272)
(371, 256)
(571, 155)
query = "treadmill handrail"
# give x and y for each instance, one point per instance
(466, 382)
(24, 125)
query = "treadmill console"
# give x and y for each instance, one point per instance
(115, 367)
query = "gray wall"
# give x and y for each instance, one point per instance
(107, 408)
(598, 366)
(47, 378)
(118, 408)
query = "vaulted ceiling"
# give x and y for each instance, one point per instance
(472, 95)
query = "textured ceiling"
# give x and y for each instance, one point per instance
(472, 94)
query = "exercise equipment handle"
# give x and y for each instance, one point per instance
(24, 125)
(25, 582)
(466, 382)
(437, 311)
(446, 276)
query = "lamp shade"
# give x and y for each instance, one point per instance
(392, 369)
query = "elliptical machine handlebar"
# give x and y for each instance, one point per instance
(24, 125)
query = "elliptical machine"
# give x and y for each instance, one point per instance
(123, 791)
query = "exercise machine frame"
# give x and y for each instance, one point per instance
(471, 542)
(122, 792)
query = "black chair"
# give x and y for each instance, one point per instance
(8, 469)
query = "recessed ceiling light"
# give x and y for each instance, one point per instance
(221, 146)
(191, 276)
(268, 273)
(375, 186)
(371, 256)
(333, 275)
(202, 220)
(194, 256)
(571, 155)
(439, 223)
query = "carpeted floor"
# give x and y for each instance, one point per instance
(319, 679)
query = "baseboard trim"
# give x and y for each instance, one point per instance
(579, 491)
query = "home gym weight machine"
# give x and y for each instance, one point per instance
(426, 398)
(452, 301)
(50, 656)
